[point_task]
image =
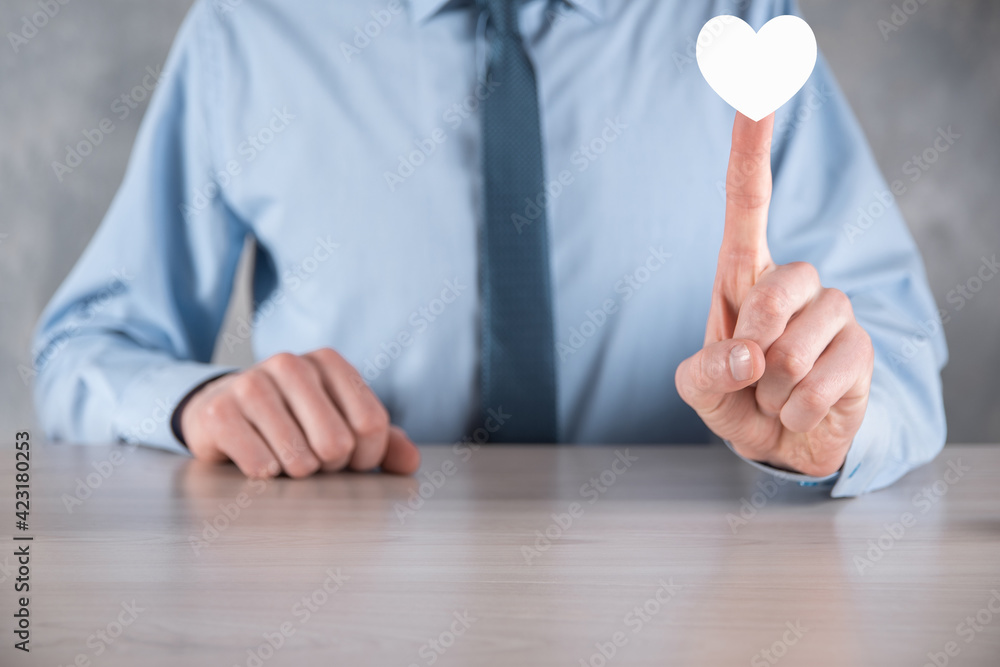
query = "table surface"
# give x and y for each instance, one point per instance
(528, 555)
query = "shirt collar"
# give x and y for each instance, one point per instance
(422, 10)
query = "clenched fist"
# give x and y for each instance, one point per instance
(785, 370)
(296, 414)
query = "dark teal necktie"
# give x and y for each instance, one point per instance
(518, 364)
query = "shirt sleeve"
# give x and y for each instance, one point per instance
(832, 207)
(132, 329)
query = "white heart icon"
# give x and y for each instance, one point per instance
(756, 72)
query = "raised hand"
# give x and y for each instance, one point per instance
(297, 414)
(785, 370)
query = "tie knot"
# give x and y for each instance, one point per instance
(502, 15)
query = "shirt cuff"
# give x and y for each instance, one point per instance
(803, 480)
(148, 402)
(867, 458)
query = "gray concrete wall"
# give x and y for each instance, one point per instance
(940, 68)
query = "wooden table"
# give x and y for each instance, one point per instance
(503, 556)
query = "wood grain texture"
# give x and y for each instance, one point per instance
(663, 527)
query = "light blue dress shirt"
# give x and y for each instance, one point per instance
(344, 136)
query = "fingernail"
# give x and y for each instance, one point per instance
(740, 364)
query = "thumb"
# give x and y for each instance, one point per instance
(401, 456)
(705, 379)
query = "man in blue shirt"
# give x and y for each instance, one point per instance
(375, 156)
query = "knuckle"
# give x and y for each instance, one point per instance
(814, 398)
(708, 370)
(743, 188)
(334, 447)
(251, 466)
(285, 363)
(219, 407)
(862, 344)
(205, 449)
(298, 461)
(326, 356)
(310, 371)
(291, 447)
(788, 359)
(335, 443)
(255, 464)
(711, 370)
(747, 196)
(301, 470)
(869, 348)
(768, 404)
(372, 421)
(358, 382)
(698, 375)
(841, 302)
(806, 272)
(250, 387)
(769, 302)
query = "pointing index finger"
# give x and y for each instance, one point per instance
(748, 192)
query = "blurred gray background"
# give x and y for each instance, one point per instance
(940, 67)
